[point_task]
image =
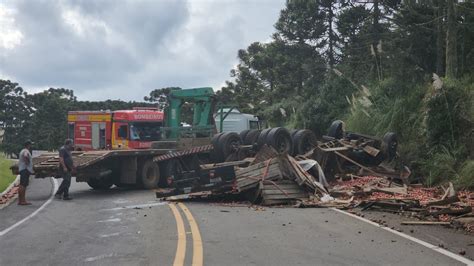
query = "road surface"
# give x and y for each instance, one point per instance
(130, 227)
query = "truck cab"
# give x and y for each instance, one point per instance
(235, 121)
(123, 129)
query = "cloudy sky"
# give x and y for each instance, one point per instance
(122, 49)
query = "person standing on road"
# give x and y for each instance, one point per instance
(66, 167)
(25, 167)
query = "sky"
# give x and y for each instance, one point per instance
(123, 49)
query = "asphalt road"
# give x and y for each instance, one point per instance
(129, 227)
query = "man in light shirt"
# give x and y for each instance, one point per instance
(25, 166)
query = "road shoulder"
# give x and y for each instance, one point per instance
(38, 192)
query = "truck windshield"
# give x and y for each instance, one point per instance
(254, 124)
(145, 131)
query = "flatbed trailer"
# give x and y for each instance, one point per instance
(148, 168)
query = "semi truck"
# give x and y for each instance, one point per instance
(150, 148)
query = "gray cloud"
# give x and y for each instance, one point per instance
(123, 49)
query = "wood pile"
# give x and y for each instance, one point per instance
(276, 181)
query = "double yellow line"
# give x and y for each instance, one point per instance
(197, 240)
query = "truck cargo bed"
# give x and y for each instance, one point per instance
(47, 164)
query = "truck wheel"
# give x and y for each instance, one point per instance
(243, 134)
(216, 155)
(262, 138)
(251, 137)
(303, 141)
(280, 139)
(149, 175)
(99, 184)
(336, 130)
(229, 143)
(389, 145)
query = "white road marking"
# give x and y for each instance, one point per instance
(55, 186)
(113, 220)
(416, 240)
(120, 201)
(103, 256)
(109, 235)
(139, 206)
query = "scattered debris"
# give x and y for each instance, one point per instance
(8, 195)
(424, 223)
(333, 174)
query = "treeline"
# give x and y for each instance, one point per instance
(42, 117)
(380, 65)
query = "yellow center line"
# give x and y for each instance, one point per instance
(181, 247)
(197, 241)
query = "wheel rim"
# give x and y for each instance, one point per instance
(282, 144)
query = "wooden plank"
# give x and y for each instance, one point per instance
(256, 167)
(279, 202)
(264, 154)
(288, 191)
(215, 165)
(334, 149)
(424, 223)
(283, 196)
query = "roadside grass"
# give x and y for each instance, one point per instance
(6, 176)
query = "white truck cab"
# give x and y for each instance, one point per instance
(235, 121)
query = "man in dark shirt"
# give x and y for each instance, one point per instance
(66, 167)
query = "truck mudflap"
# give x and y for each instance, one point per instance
(176, 154)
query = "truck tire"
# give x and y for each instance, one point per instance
(243, 134)
(149, 174)
(99, 184)
(389, 145)
(262, 138)
(229, 143)
(280, 139)
(336, 130)
(303, 141)
(251, 137)
(216, 155)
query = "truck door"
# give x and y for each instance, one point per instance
(102, 136)
(98, 135)
(120, 135)
(95, 136)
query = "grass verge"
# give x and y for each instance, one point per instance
(6, 176)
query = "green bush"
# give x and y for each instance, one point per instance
(434, 126)
(465, 178)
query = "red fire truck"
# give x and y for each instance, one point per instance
(116, 130)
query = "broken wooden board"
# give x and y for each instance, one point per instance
(303, 178)
(265, 153)
(282, 192)
(424, 223)
(248, 178)
(391, 204)
(445, 201)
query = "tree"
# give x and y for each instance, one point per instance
(49, 121)
(451, 40)
(15, 110)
